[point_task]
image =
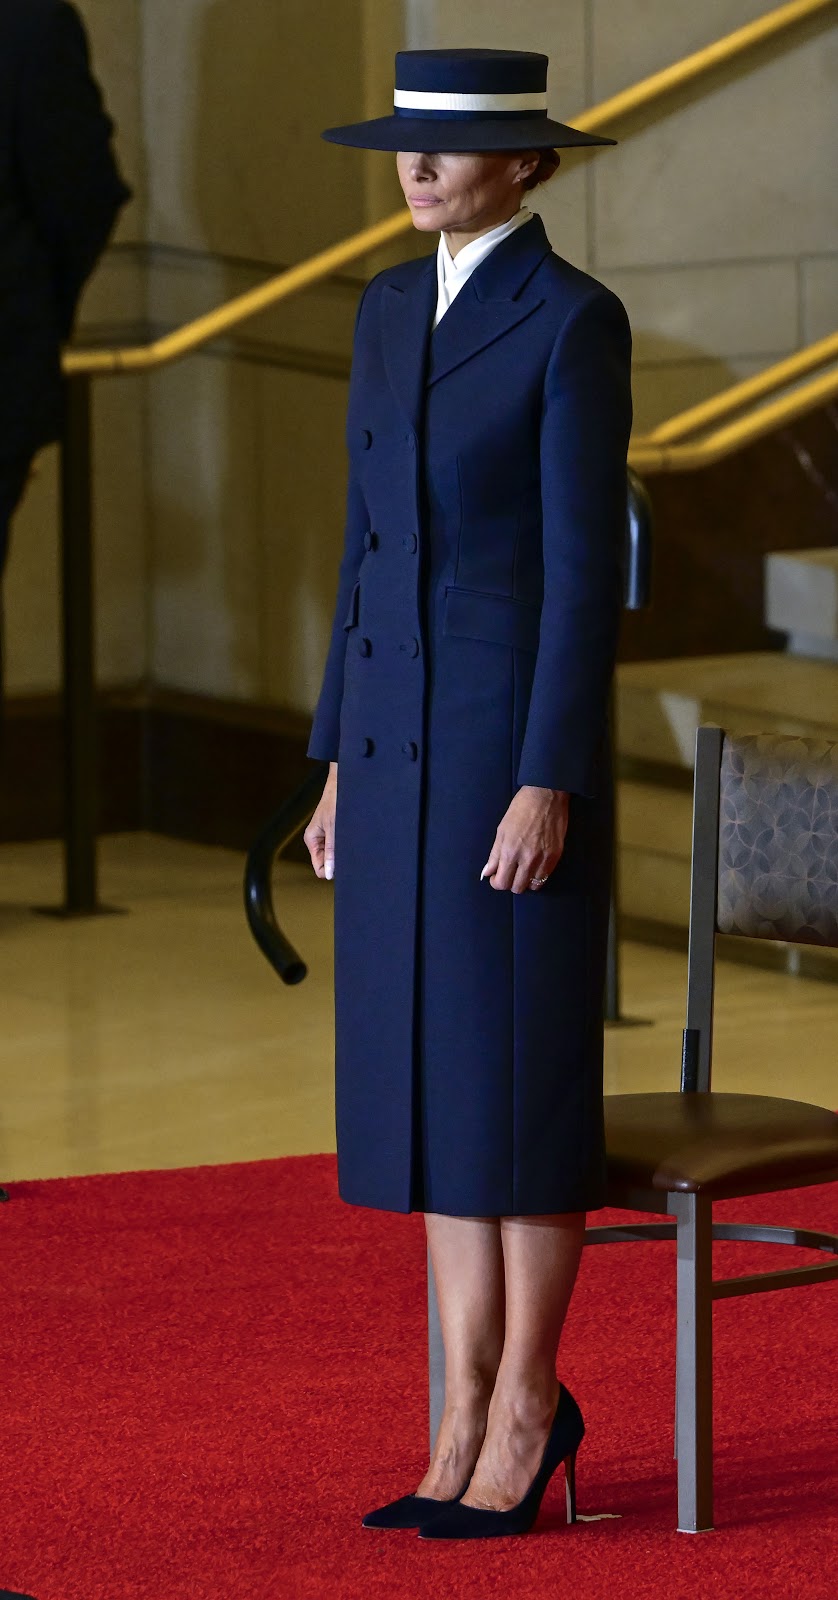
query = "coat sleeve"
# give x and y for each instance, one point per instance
(585, 427)
(325, 731)
(72, 186)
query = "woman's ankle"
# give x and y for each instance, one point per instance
(471, 1390)
(527, 1398)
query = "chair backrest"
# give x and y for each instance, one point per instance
(764, 860)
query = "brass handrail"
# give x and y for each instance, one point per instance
(740, 395)
(646, 456)
(144, 358)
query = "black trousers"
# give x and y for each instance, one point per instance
(13, 476)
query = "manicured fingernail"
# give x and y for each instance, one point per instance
(330, 869)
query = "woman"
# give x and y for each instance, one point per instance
(467, 812)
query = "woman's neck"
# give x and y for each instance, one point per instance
(457, 240)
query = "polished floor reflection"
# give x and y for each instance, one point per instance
(161, 1038)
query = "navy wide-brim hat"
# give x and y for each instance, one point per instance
(466, 100)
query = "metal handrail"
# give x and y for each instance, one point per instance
(648, 456)
(739, 395)
(144, 358)
(272, 840)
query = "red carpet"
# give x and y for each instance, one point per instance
(210, 1374)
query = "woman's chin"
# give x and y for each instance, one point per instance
(426, 218)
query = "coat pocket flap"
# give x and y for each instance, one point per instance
(351, 619)
(495, 618)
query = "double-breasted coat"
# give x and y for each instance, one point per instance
(472, 651)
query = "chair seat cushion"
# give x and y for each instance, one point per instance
(717, 1144)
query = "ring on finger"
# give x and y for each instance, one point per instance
(536, 883)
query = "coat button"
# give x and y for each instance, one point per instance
(409, 542)
(410, 749)
(366, 438)
(367, 747)
(364, 647)
(410, 647)
(370, 540)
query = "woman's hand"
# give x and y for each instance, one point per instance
(530, 839)
(319, 836)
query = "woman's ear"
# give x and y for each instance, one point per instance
(527, 166)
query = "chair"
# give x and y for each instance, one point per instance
(764, 865)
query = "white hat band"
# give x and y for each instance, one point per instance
(419, 100)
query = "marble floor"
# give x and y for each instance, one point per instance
(162, 1038)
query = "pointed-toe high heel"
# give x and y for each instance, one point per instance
(411, 1511)
(457, 1521)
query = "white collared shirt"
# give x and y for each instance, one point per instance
(453, 271)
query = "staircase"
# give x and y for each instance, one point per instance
(659, 705)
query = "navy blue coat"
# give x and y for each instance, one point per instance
(472, 652)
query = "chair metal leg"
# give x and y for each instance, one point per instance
(436, 1358)
(694, 1362)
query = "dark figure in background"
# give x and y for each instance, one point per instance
(60, 194)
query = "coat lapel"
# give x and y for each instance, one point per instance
(494, 300)
(406, 315)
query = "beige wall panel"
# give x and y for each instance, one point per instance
(746, 171)
(120, 530)
(236, 93)
(30, 586)
(205, 559)
(820, 297)
(717, 180)
(737, 309)
(321, 319)
(113, 28)
(660, 392)
(632, 38)
(115, 296)
(304, 494)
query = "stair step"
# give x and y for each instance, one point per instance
(801, 597)
(659, 704)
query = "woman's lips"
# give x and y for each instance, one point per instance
(423, 200)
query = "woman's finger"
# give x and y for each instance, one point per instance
(539, 871)
(493, 862)
(524, 873)
(329, 848)
(504, 874)
(314, 840)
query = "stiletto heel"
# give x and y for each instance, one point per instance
(469, 1522)
(570, 1487)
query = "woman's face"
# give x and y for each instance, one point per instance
(463, 191)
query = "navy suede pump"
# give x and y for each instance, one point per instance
(457, 1521)
(411, 1511)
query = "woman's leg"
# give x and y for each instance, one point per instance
(468, 1266)
(541, 1258)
